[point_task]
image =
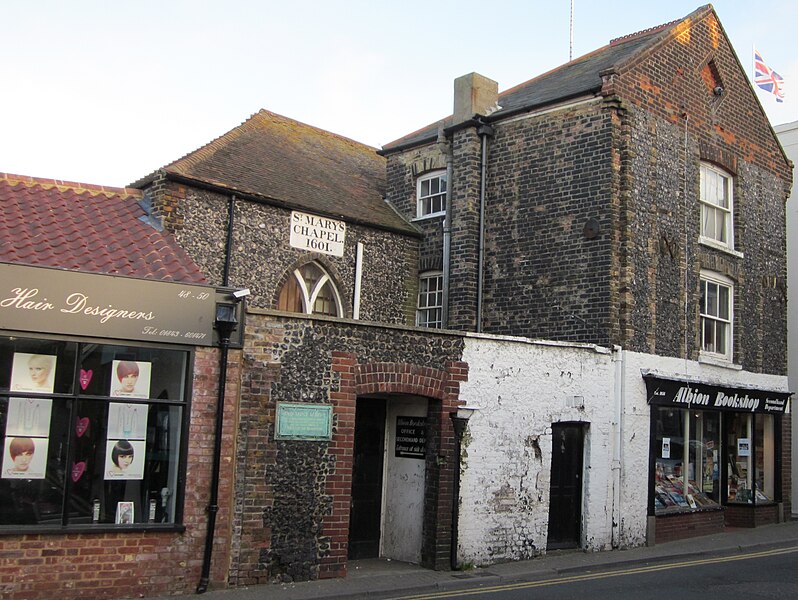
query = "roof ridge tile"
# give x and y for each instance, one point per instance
(62, 186)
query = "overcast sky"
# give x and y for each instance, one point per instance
(107, 91)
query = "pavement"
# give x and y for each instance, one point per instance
(375, 578)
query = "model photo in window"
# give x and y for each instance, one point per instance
(716, 206)
(431, 194)
(125, 459)
(24, 458)
(33, 373)
(131, 379)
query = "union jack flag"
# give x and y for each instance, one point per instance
(767, 79)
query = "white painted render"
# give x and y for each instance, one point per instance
(520, 387)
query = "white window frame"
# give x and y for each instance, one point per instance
(309, 295)
(430, 314)
(425, 202)
(713, 315)
(716, 187)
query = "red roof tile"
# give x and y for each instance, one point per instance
(87, 228)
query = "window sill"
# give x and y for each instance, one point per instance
(428, 217)
(710, 243)
(718, 361)
(101, 528)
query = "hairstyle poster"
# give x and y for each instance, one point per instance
(29, 417)
(124, 513)
(33, 373)
(24, 457)
(124, 459)
(130, 379)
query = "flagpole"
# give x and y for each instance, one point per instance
(571, 47)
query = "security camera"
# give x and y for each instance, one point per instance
(238, 294)
(718, 91)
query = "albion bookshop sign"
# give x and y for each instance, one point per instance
(688, 394)
(52, 300)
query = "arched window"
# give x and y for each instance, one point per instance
(310, 290)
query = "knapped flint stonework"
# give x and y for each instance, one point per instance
(292, 490)
(262, 257)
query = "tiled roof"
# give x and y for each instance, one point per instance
(88, 228)
(295, 165)
(580, 77)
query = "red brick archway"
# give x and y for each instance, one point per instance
(441, 386)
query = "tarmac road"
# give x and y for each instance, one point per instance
(740, 576)
(669, 564)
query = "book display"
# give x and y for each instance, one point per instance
(670, 494)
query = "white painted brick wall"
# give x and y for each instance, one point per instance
(520, 388)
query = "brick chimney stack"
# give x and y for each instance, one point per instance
(474, 94)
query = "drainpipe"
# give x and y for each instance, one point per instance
(619, 362)
(228, 248)
(484, 132)
(224, 324)
(447, 233)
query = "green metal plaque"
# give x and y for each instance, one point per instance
(303, 421)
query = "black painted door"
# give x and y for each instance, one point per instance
(565, 511)
(365, 516)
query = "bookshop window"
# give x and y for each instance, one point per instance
(91, 433)
(687, 460)
(751, 450)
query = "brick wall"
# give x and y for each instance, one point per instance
(130, 564)
(294, 496)
(748, 516)
(548, 176)
(674, 527)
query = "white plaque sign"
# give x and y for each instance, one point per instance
(317, 234)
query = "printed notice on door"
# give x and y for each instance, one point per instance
(411, 437)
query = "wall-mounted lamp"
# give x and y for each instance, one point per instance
(226, 321)
(459, 419)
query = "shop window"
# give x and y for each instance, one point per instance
(430, 300)
(717, 296)
(716, 206)
(431, 194)
(687, 460)
(751, 454)
(310, 290)
(92, 434)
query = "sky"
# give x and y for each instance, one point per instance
(104, 92)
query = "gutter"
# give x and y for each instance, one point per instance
(410, 230)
